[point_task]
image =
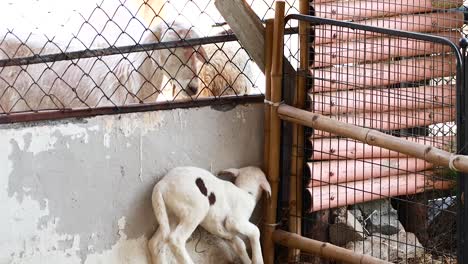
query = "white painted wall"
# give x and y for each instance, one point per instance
(78, 191)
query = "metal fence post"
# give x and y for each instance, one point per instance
(462, 130)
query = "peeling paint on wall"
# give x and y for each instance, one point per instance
(78, 191)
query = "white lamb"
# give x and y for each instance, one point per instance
(197, 197)
(103, 81)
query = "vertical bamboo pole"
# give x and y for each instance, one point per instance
(267, 122)
(275, 126)
(268, 54)
(297, 155)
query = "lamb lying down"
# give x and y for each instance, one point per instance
(197, 197)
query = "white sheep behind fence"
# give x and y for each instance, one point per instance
(102, 81)
(197, 197)
(228, 70)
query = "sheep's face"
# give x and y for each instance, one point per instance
(250, 179)
(182, 65)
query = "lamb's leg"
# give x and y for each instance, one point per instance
(239, 247)
(231, 237)
(179, 237)
(155, 246)
(252, 232)
(160, 212)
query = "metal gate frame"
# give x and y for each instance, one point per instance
(280, 112)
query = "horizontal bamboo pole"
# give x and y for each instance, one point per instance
(383, 73)
(341, 148)
(378, 49)
(322, 249)
(382, 100)
(394, 120)
(431, 22)
(360, 10)
(372, 137)
(337, 195)
(340, 171)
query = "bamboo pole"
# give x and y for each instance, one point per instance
(297, 155)
(340, 171)
(275, 129)
(383, 100)
(394, 119)
(337, 195)
(346, 10)
(383, 73)
(268, 54)
(429, 22)
(322, 249)
(373, 137)
(378, 49)
(343, 148)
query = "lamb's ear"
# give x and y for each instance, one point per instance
(229, 173)
(201, 54)
(189, 32)
(265, 185)
(191, 54)
(158, 30)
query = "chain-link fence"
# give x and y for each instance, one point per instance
(92, 54)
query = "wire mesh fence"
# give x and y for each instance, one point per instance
(112, 53)
(369, 199)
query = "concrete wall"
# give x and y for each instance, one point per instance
(78, 191)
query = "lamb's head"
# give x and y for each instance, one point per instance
(181, 65)
(251, 179)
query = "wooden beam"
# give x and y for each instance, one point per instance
(427, 22)
(354, 192)
(246, 26)
(383, 100)
(350, 170)
(345, 148)
(383, 73)
(394, 120)
(380, 74)
(378, 49)
(346, 10)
